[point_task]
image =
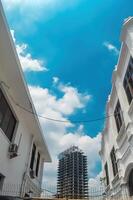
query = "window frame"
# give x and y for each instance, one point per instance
(33, 157)
(38, 161)
(114, 162)
(2, 179)
(107, 174)
(118, 116)
(9, 106)
(128, 81)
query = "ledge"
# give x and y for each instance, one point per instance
(130, 111)
(125, 155)
(130, 140)
(4, 135)
(116, 179)
(121, 133)
(107, 189)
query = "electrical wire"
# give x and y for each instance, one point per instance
(64, 121)
(44, 189)
(57, 120)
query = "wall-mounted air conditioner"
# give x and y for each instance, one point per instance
(13, 150)
(32, 173)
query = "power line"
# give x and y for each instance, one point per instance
(64, 121)
(44, 189)
(56, 120)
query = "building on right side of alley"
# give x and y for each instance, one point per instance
(117, 137)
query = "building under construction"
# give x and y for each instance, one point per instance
(72, 174)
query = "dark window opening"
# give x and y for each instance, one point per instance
(7, 119)
(107, 174)
(130, 183)
(128, 81)
(33, 156)
(118, 116)
(2, 177)
(114, 162)
(37, 164)
(26, 195)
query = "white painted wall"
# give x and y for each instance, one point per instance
(123, 141)
(14, 169)
(28, 125)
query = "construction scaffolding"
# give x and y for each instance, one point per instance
(72, 174)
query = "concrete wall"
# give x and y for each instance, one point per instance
(16, 170)
(122, 141)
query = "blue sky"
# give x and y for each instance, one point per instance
(77, 41)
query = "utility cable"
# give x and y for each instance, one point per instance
(57, 120)
(43, 189)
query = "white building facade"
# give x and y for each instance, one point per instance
(23, 149)
(117, 138)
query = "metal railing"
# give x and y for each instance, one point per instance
(10, 190)
(50, 192)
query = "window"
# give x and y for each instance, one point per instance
(128, 81)
(130, 183)
(33, 156)
(118, 116)
(107, 174)
(114, 162)
(7, 119)
(2, 177)
(37, 164)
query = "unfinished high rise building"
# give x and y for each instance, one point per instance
(72, 174)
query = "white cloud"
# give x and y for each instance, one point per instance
(11, 4)
(32, 11)
(57, 135)
(96, 181)
(72, 99)
(96, 187)
(111, 48)
(88, 144)
(27, 61)
(55, 80)
(13, 35)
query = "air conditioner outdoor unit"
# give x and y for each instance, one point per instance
(13, 150)
(32, 173)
